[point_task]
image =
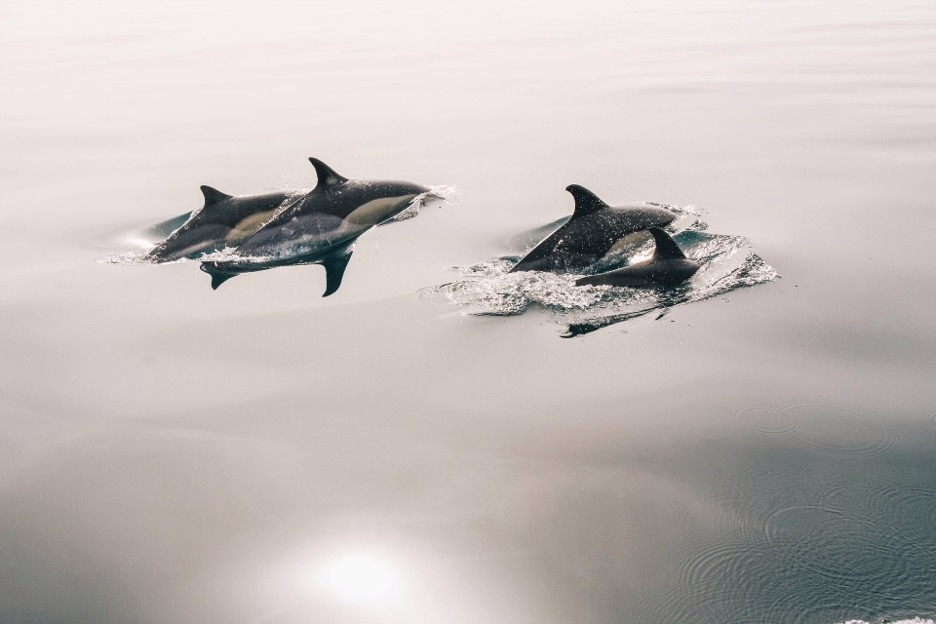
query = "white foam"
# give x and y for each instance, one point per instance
(915, 620)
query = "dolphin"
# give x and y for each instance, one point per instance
(320, 227)
(224, 221)
(667, 267)
(590, 233)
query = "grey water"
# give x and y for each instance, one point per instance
(413, 448)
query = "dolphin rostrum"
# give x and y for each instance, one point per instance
(590, 233)
(667, 267)
(320, 227)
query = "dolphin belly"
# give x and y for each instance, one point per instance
(379, 210)
(247, 227)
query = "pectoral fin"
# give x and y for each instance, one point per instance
(335, 266)
(218, 275)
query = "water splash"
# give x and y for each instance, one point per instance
(448, 195)
(727, 263)
(915, 620)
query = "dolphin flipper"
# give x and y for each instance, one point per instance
(335, 266)
(218, 275)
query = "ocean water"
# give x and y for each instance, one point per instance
(438, 440)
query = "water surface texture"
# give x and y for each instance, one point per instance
(260, 454)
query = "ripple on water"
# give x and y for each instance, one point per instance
(843, 553)
(723, 577)
(771, 421)
(914, 505)
(905, 507)
(822, 426)
(812, 564)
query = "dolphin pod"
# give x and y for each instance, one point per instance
(279, 228)
(319, 227)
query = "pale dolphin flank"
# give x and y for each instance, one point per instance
(668, 267)
(590, 233)
(224, 221)
(320, 227)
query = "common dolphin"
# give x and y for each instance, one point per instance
(667, 267)
(320, 227)
(224, 221)
(590, 233)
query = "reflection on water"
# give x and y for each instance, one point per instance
(753, 526)
(361, 578)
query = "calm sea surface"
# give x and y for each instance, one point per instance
(172, 454)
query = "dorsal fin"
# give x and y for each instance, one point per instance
(213, 195)
(586, 202)
(666, 247)
(326, 175)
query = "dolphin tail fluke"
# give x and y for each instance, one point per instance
(218, 275)
(666, 247)
(335, 267)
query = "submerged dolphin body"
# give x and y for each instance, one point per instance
(224, 221)
(667, 267)
(320, 227)
(590, 233)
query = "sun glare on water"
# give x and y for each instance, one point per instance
(360, 578)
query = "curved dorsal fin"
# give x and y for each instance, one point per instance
(666, 247)
(326, 175)
(586, 202)
(213, 195)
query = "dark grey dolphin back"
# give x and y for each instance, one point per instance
(590, 232)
